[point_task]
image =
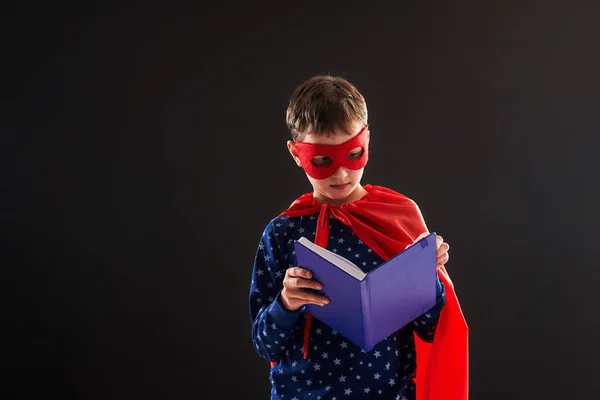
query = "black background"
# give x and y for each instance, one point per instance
(143, 152)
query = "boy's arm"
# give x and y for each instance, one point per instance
(272, 325)
(425, 325)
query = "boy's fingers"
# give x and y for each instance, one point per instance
(308, 284)
(299, 272)
(443, 248)
(298, 283)
(312, 298)
(443, 259)
(439, 240)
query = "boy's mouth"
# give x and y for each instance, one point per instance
(340, 187)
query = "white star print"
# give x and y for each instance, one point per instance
(277, 345)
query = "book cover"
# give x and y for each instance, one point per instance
(367, 307)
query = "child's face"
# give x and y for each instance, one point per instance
(344, 184)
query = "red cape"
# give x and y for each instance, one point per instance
(387, 222)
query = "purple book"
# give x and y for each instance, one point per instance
(367, 307)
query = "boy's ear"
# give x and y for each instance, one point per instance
(293, 152)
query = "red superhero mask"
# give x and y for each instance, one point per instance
(331, 157)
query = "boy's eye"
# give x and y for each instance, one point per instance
(356, 153)
(321, 161)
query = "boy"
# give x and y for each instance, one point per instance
(327, 118)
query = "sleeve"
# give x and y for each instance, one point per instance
(425, 325)
(272, 325)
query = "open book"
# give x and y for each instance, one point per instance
(367, 307)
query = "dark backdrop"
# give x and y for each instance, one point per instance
(143, 152)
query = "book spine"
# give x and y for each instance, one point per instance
(365, 289)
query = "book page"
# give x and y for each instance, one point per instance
(337, 260)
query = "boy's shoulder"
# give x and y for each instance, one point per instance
(386, 193)
(284, 222)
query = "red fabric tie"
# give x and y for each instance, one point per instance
(321, 239)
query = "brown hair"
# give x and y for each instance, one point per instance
(323, 104)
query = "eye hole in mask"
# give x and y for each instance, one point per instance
(323, 161)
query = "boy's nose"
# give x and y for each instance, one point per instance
(340, 174)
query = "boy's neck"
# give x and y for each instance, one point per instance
(357, 194)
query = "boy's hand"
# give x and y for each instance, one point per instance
(442, 251)
(294, 294)
(442, 248)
